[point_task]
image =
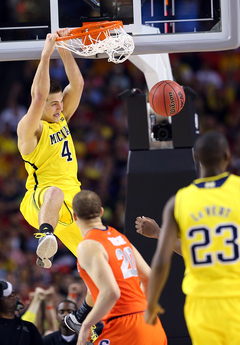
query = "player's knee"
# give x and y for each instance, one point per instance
(54, 193)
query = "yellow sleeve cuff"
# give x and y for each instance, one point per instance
(29, 316)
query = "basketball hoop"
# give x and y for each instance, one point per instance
(99, 37)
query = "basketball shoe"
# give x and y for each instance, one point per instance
(47, 247)
(72, 323)
(45, 263)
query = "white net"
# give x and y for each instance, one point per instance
(116, 43)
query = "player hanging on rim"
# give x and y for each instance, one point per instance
(46, 146)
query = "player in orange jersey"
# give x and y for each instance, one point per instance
(112, 269)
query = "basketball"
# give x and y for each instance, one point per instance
(167, 98)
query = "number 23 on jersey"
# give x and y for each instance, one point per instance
(208, 247)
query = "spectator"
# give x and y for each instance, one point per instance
(14, 111)
(64, 335)
(37, 297)
(77, 292)
(14, 330)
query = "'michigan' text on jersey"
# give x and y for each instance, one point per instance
(53, 161)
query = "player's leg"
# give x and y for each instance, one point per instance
(156, 333)
(214, 319)
(132, 329)
(75, 319)
(66, 230)
(204, 318)
(51, 201)
(231, 321)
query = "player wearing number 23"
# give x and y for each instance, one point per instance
(206, 216)
(46, 146)
(112, 269)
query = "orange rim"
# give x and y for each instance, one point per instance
(91, 28)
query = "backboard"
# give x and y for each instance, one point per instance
(157, 26)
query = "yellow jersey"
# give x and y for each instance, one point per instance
(208, 215)
(53, 162)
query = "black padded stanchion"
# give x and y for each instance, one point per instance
(153, 176)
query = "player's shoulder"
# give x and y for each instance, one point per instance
(63, 118)
(234, 178)
(185, 191)
(114, 233)
(88, 246)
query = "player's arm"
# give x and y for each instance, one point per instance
(30, 125)
(148, 227)
(93, 258)
(73, 91)
(88, 299)
(143, 268)
(161, 261)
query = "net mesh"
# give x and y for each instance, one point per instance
(116, 43)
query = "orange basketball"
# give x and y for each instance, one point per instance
(167, 98)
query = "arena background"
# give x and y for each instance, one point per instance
(100, 132)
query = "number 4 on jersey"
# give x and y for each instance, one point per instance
(66, 152)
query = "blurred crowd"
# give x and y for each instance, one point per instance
(100, 132)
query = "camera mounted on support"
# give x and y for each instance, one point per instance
(162, 131)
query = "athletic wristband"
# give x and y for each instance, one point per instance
(49, 307)
(73, 295)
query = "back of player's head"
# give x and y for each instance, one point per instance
(211, 148)
(54, 87)
(87, 205)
